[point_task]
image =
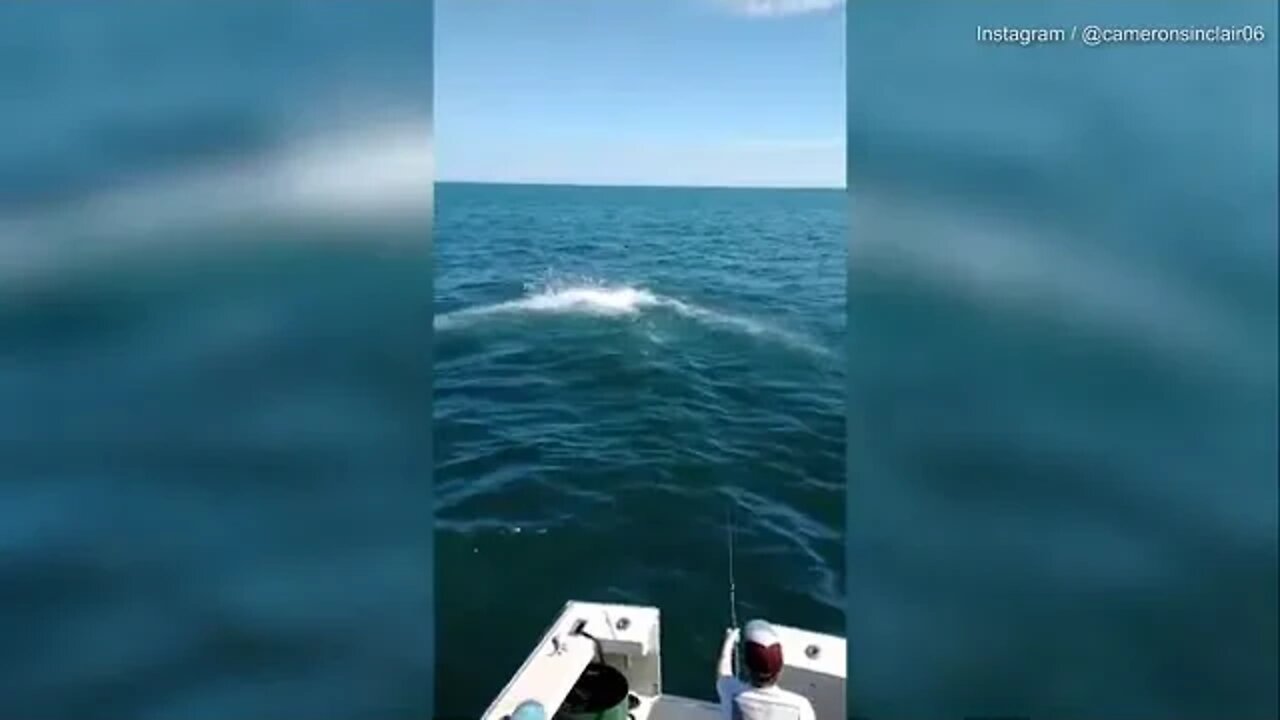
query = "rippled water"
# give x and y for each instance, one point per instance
(214, 297)
(1063, 327)
(615, 368)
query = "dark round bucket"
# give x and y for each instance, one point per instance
(600, 694)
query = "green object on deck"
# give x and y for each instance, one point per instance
(601, 693)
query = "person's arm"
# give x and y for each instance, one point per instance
(725, 669)
(726, 678)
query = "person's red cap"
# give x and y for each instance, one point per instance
(761, 651)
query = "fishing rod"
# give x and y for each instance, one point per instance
(733, 590)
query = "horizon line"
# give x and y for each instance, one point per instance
(636, 185)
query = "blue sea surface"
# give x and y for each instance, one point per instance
(1063, 332)
(214, 371)
(215, 436)
(621, 375)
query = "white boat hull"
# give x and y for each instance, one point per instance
(629, 639)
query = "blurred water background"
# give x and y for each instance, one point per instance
(214, 419)
(1062, 321)
(214, 362)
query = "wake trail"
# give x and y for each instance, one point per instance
(623, 302)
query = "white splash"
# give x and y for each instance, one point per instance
(597, 300)
(996, 260)
(369, 175)
(380, 171)
(621, 301)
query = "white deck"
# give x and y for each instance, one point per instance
(674, 707)
(627, 632)
(630, 640)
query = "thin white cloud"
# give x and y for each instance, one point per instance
(779, 8)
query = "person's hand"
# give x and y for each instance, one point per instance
(726, 667)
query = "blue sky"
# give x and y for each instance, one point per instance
(641, 92)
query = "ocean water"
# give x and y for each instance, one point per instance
(620, 375)
(1063, 333)
(214, 374)
(214, 399)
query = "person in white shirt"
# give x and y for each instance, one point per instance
(760, 698)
